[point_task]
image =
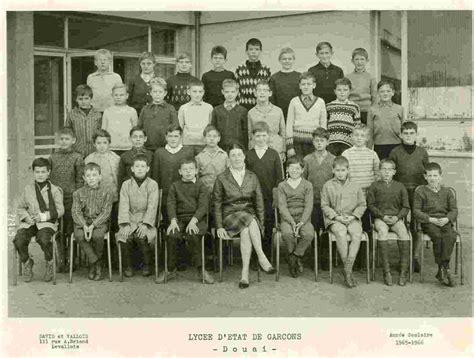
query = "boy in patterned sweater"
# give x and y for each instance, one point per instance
(343, 115)
(177, 85)
(250, 73)
(213, 79)
(67, 168)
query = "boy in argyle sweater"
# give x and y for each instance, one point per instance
(250, 73)
(178, 84)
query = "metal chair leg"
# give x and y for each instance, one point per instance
(16, 264)
(461, 259)
(422, 263)
(119, 247)
(456, 256)
(166, 258)
(156, 257)
(316, 265)
(71, 257)
(330, 259)
(411, 261)
(367, 256)
(55, 249)
(203, 259)
(374, 245)
(277, 254)
(221, 274)
(109, 256)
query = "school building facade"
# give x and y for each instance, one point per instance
(428, 54)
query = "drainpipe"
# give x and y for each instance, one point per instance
(197, 43)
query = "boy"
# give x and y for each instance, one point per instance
(67, 169)
(178, 85)
(325, 73)
(411, 161)
(285, 83)
(230, 118)
(91, 213)
(137, 214)
(103, 80)
(194, 116)
(305, 113)
(250, 73)
(138, 139)
(39, 207)
(213, 79)
(343, 115)
(119, 119)
(434, 206)
(265, 162)
(343, 204)
(187, 205)
(155, 117)
(387, 200)
(384, 121)
(212, 160)
(84, 120)
(295, 203)
(364, 86)
(318, 170)
(266, 112)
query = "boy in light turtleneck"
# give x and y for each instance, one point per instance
(67, 168)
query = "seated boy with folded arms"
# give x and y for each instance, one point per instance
(39, 207)
(91, 207)
(137, 213)
(388, 202)
(343, 204)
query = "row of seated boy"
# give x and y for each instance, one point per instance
(92, 203)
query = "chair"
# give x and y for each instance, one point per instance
(277, 236)
(391, 237)
(71, 256)
(18, 270)
(458, 248)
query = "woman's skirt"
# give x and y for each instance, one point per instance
(234, 223)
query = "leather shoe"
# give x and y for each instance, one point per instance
(98, 273)
(92, 271)
(243, 284)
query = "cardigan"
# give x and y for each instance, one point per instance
(233, 125)
(363, 165)
(210, 165)
(109, 168)
(295, 204)
(364, 89)
(126, 161)
(91, 206)
(193, 118)
(155, 119)
(388, 199)
(410, 167)
(230, 198)
(301, 122)
(268, 169)
(67, 169)
(212, 81)
(187, 200)
(27, 205)
(118, 121)
(341, 199)
(384, 121)
(139, 93)
(84, 126)
(318, 173)
(273, 116)
(284, 87)
(177, 89)
(427, 203)
(342, 118)
(102, 84)
(325, 78)
(247, 76)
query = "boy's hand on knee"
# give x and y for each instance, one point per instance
(142, 230)
(29, 221)
(298, 227)
(173, 226)
(124, 230)
(341, 219)
(192, 228)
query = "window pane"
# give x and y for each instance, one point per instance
(162, 42)
(127, 67)
(95, 34)
(48, 30)
(164, 70)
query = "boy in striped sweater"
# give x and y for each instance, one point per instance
(305, 113)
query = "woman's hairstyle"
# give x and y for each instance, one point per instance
(235, 145)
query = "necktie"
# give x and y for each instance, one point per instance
(307, 101)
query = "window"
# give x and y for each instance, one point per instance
(162, 42)
(48, 30)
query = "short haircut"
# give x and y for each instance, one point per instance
(307, 76)
(320, 46)
(120, 85)
(67, 131)
(183, 56)
(253, 42)
(409, 125)
(83, 90)
(103, 51)
(210, 128)
(174, 127)
(344, 81)
(230, 83)
(296, 159)
(261, 127)
(140, 158)
(219, 50)
(195, 83)
(147, 56)
(361, 127)
(340, 160)
(91, 166)
(263, 83)
(235, 145)
(137, 129)
(386, 82)
(102, 133)
(187, 160)
(361, 52)
(389, 161)
(433, 166)
(321, 132)
(285, 51)
(41, 163)
(158, 82)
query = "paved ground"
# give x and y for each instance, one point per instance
(186, 297)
